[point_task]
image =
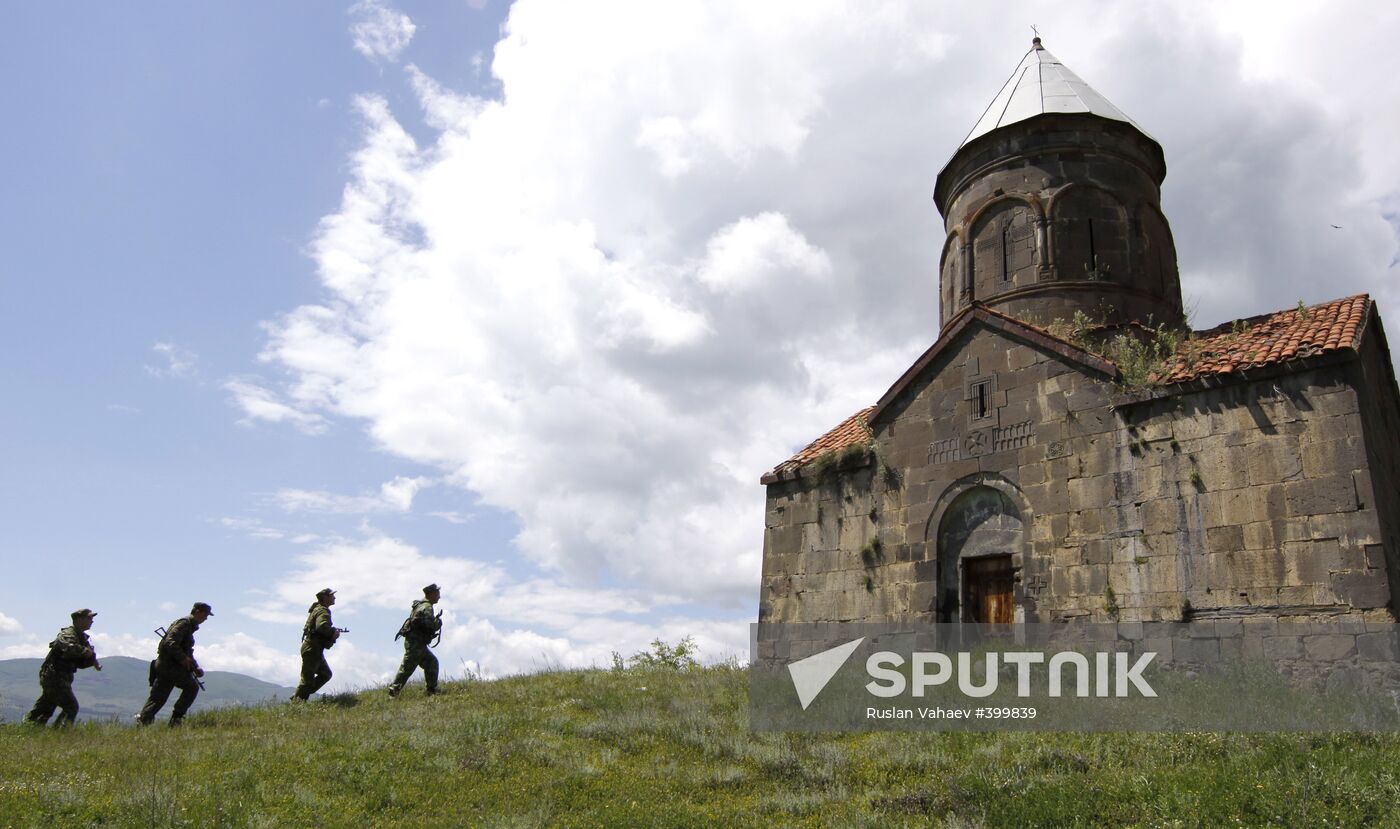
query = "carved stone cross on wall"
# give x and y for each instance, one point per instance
(978, 443)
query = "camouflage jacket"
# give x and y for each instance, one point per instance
(318, 632)
(68, 652)
(178, 643)
(424, 624)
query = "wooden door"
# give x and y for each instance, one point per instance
(988, 581)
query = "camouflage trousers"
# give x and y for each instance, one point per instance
(416, 655)
(55, 691)
(314, 672)
(168, 679)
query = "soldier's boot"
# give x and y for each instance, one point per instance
(40, 713)
(394, 691)
(176, 722)
(430, 692)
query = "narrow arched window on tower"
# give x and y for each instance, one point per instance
(1006, 249)
(1093, 265)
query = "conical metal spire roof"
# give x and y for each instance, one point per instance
(1039, 85)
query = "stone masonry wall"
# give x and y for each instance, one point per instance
(1261, 493)
(1252, 499)
(1374, 380)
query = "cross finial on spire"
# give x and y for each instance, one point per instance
(1035, 41)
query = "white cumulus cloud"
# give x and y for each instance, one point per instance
(173, 361)
(689, 237)
(251, 527)
(495, 623)
(380, 31)
(384, 572)
(29, 647)
(123, 644)
(393, 496)
(259, 403)
(9, 626)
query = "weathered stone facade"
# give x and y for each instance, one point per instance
(1255, 479)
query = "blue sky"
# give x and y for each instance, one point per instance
(158, 207)
(298, 295)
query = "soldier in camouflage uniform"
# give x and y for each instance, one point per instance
(317, 635)
(419, 630)
(68, 652)
(174, 667)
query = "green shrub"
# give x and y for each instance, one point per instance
(677, 657)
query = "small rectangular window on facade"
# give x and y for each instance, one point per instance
(982, 400)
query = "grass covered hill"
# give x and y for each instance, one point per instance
(662, 748)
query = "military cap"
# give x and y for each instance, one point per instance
(324, 591)
(204, 606)
(432, 588)
(83, 612)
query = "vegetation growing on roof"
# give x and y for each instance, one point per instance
(1143, 354)
(1142, 361)
(827, 465)
(1077, 329)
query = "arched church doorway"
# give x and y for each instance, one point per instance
(979, 537)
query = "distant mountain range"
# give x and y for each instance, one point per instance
(119, 690)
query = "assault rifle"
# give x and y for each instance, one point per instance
(338, 632)
(406, 629)
(151, 676)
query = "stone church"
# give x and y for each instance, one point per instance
(1067, 449)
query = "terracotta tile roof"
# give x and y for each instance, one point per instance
(853, 431)
(1269, 339)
